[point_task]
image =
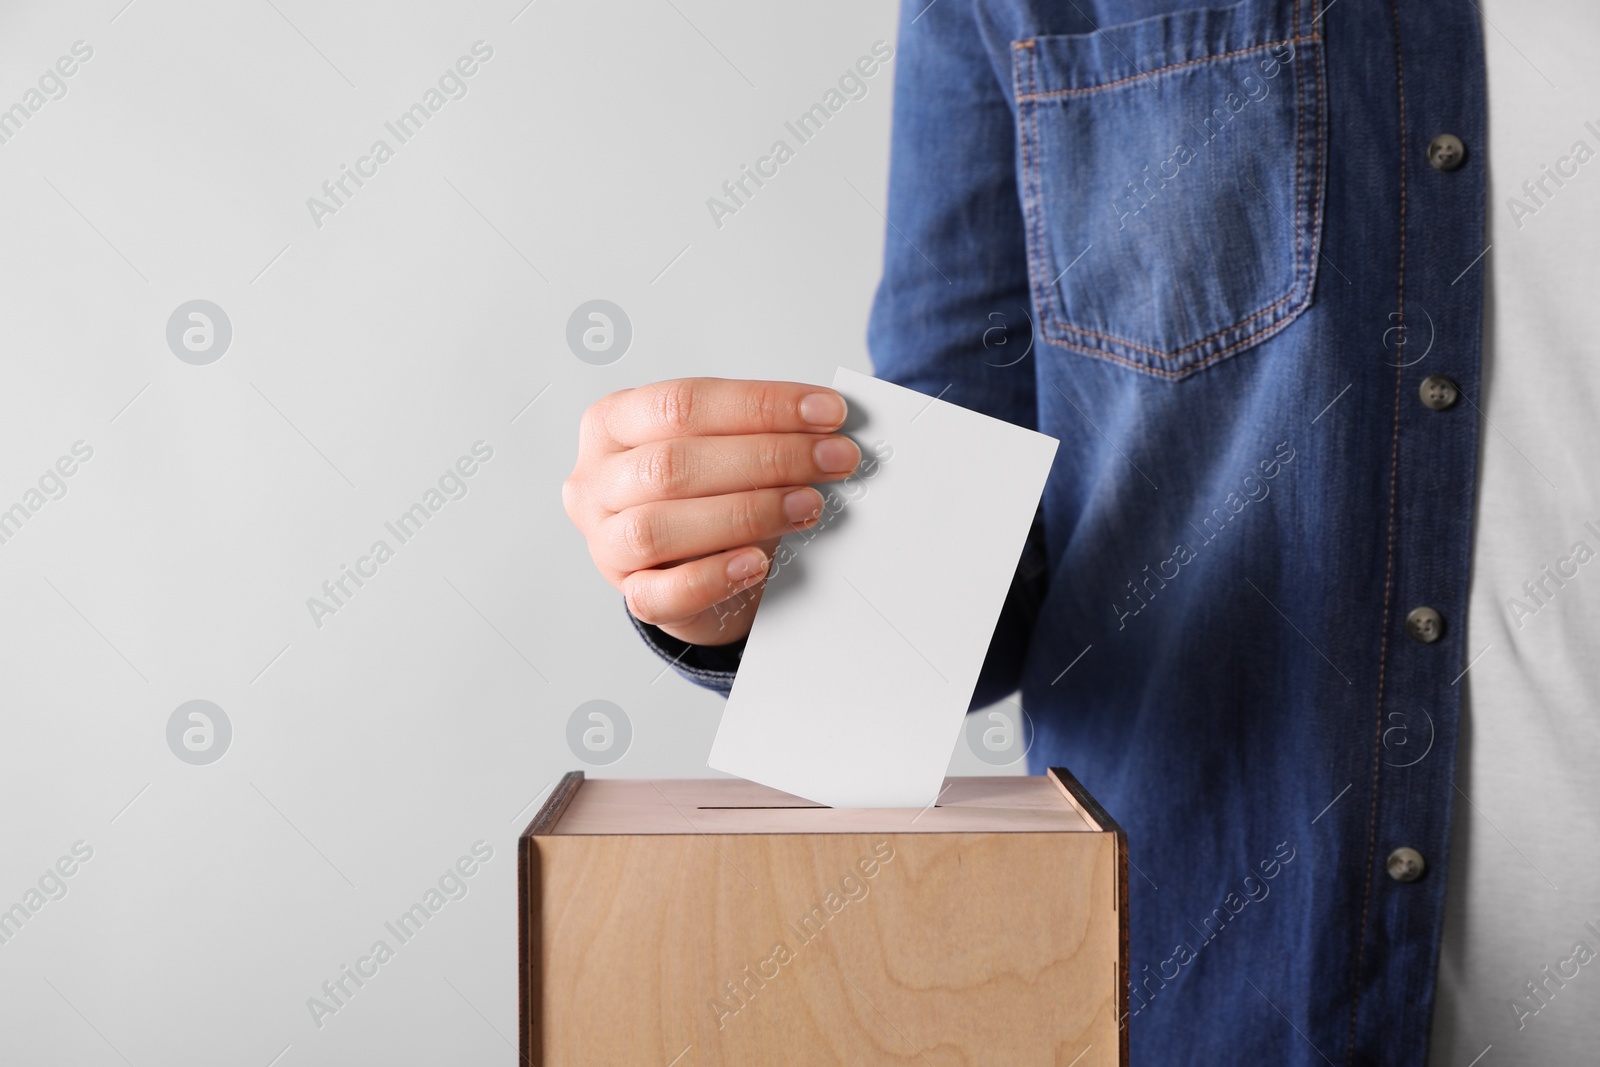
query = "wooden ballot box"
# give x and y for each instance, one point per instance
(719, 923)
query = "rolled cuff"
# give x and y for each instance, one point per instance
(708, 666)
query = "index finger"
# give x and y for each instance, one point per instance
(711, 407)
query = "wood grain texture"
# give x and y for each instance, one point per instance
(778, 948)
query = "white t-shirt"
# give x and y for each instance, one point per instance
(1524, 887)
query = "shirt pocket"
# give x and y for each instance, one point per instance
(1172, 182)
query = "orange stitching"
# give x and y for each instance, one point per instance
(1029, 209)
(1036, 263)
(1264, 334)
(1388, 576)
(1175, 353)
(1031, 138)
(1054, 93)
(1317, 196)
(1299, 161)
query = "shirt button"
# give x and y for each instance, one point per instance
(1446, 152)
(1424, 625)
(1405, 865)
(1438, 392)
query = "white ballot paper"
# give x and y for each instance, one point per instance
(867, 644)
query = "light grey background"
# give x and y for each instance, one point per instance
(431, 710)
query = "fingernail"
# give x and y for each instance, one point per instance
(836, 455)
(822, 409)
(802, 505)
(749, 564)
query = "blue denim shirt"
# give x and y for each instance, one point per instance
(1221, 239)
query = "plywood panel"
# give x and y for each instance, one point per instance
(995, 948)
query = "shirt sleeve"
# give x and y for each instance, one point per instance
(709, 666)
(952, 316)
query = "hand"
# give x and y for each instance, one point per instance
(683, 488)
